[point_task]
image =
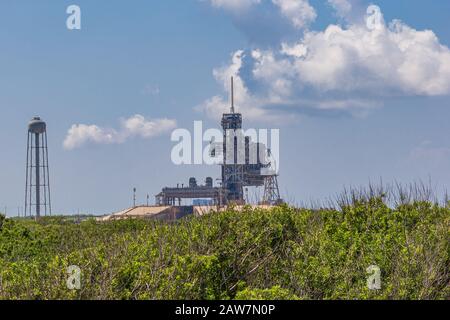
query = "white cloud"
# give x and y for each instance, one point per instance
(245, 102)
(299, 12)
(141, 127)
(396, 59)
(342, 7)
(297, 50)
(347, 68)
(135, 126)
(80, 134)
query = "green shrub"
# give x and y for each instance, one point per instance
(282, 253)
(274, 293)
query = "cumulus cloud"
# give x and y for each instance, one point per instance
(346, 69)
(299, 12)
(135, 126)
(395, 59)
(342, 7)
(274, 97)
(264, 22)
(250, 104)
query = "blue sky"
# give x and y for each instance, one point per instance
(156, 59)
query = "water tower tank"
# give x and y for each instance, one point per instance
(36, 125)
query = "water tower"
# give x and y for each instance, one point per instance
(37, 187)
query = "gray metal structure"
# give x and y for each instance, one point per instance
(271, 191)
(172, 196)
(238, 174)
(37, 185)
(244, 164)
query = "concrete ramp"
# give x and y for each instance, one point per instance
(170, 213)
(136, 212)
(164, 213)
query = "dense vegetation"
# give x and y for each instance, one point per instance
(285, 253)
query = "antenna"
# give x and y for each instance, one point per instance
(232, 95)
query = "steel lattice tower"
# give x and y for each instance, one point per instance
(37, 186)
(271, 190)
(232, 171)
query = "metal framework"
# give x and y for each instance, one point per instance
(170, 196)
(37, 184)
(232, 171)
(271, 190)
(240, 168)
